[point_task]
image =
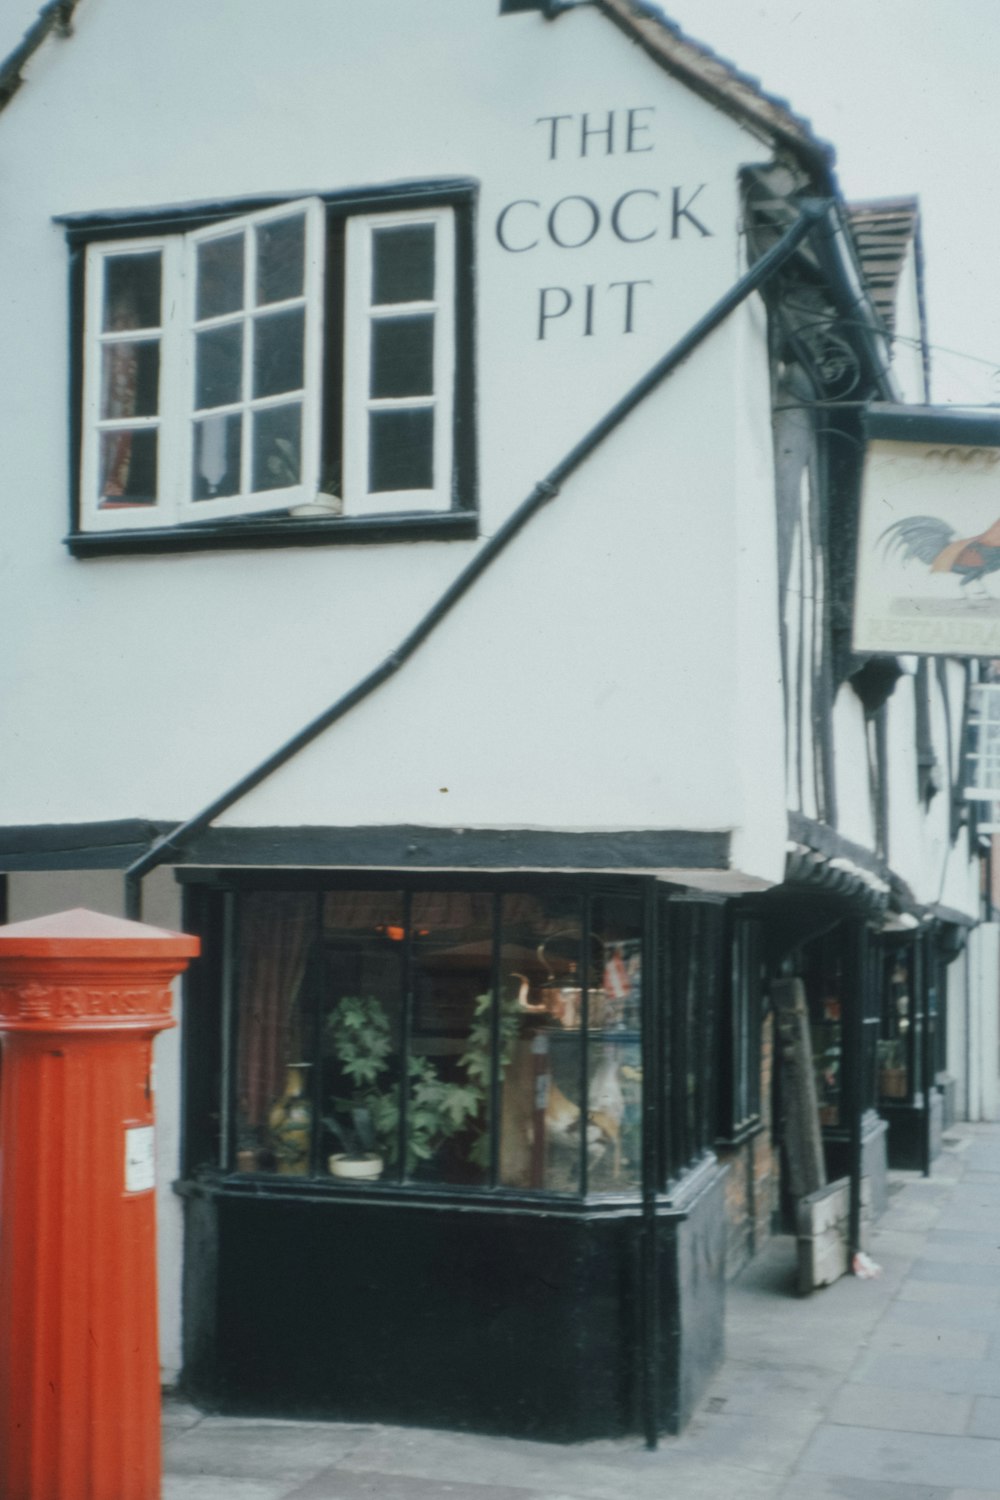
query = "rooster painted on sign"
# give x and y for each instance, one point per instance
(929, 540)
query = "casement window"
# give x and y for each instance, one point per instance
(305, 362)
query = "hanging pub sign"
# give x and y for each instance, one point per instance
(928, 577)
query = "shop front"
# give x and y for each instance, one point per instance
(447, 1150)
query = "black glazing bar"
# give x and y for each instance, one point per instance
(319, 981)
(494, 1123)
(812, 215)
(925, 947)
(405, 1024)
(651, 1020)
(583, 970)
(227, 1122)
(853, 1011)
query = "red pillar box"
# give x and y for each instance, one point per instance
(81, 998)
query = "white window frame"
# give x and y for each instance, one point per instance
(115, 516)
(360, 313)
(982, 765)
(175, 419)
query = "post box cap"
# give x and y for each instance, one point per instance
(92, 934)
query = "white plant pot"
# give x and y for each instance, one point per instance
(342, 1165)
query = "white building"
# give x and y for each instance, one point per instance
(347, 302)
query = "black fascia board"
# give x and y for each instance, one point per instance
(933, 424)
(417, 847)
(109, 845)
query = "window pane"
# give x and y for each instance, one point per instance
(403, 356)
(614, 1100)
(403, 264)
(132, 291)
(128, 467)
(279, 341)
(823, 969)
(401, 450)
(362, 1023)
(276, 1000)
(130, 379)
(277, 447)
(541, 1051)
(899, 1017)
(217, 457)
(447, 1117)
(220, 276)
(281, 259)
(219, 366)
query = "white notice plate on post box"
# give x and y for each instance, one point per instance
(140, 1174)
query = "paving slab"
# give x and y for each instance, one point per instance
(973, 1377)
(986, 1418)
(940, 1315)
(962, 1273)
(821, 1487)
(292, 1452)
(929, 1338)
(911, 1457)
(857, 1405)
(943, 1292)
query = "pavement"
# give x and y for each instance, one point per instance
(879, 1389)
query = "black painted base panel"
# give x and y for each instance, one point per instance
(514, 1323)
(907, 1125)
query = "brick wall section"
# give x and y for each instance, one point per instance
(753, 1182)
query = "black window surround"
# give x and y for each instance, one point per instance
(664, 1034)
(345, 215)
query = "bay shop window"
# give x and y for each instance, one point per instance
(389, 1037)
(303, 361)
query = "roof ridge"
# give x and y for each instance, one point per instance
(720, 81)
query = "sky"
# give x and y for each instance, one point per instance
(906, 91)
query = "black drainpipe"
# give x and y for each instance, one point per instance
(812, 214)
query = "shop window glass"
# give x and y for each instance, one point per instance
(695, 942)
(274, 1050)
(822, 963)
(614, 1097)
(451, 1038)
(459, 1038)
(543, 1127)
(361, 1042)
(740, 1033)
(896, 1038)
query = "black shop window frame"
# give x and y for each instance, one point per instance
(346, 278)
(740, 1029)
(692, 955)
(570, 972)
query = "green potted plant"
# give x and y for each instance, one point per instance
(367, 1124)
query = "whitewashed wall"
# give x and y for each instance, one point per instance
(167, 677)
